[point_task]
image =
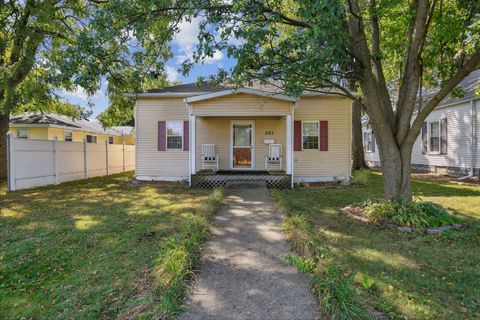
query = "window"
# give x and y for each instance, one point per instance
(434, 137)
(369, 141)
(174, 134)
(67, 136)
(22, 133)
(91, 139)
(310, 135)
(110, 140)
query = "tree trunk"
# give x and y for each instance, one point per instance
(358, 161)
(4, 125)
(396, 166)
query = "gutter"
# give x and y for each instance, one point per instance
(163, 95)
(472, 141)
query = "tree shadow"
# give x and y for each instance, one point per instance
(78, 249)
(420, 276)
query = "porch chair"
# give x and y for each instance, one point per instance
(209, 157)
(274, 157)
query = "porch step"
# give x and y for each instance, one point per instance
(245, 184)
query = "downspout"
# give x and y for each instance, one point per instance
(190, 145)
(472, 141)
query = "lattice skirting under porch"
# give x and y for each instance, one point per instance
(220, 180)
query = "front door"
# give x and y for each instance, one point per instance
(242, 145)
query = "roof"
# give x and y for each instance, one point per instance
(123, 130)
(469, 86)
(39, 119)
(188, 90)
(56, 120)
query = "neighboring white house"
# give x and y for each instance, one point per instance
(449, 142)
(183, 129)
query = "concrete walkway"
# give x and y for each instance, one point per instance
(242, 273)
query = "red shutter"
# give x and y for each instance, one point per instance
(186, 135)
(297, 136)
(323, 135)
(162, 136)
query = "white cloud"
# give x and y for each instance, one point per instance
(187, 40)
(172, 73)
(217, 56)
(80, 93)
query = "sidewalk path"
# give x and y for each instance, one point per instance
(242, 273)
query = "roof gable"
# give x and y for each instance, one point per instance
(250, 91)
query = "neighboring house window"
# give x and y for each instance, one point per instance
(110, 140)
(174, 134)
(22, 133)
(67, 136)
(91, 139)
(434, 137)
(310, 135)
(369, 142)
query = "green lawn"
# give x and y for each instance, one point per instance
(416, 276)
(97, 248)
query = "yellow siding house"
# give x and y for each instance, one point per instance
(223, 133)
(62, 128)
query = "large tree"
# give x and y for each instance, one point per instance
(46, 45)
(29, 31)
(391, 48)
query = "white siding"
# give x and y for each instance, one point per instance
(151, 163)
(458, 141)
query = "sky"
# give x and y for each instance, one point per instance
(183, 47)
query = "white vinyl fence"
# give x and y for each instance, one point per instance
(41, 162)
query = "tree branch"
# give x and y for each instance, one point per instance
(412, 71)
(471, 65)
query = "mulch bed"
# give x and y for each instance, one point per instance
(357, 213)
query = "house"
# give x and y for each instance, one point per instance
(174, 124)
(53, 126)
(449, 142)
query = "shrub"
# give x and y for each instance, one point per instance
(360, 177)
(416, 213)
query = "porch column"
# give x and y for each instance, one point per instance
(289, 144)
(192, 143)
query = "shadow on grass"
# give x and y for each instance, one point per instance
(78, 250)
(418, 276)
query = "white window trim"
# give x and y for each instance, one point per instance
(166, 135)
(64, 135)
(28, 133)
(429, 151)
(312, 121)
(369, 134)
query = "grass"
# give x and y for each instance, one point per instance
(403, 275)
(99, 248)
